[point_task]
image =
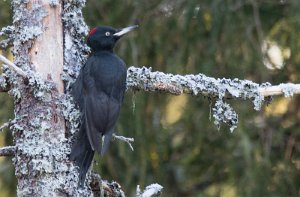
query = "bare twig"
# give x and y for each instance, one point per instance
(13, 66)
(287, 89)
(5, 125)
(125, 139)
(7, 151)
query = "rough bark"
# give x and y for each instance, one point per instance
(48, 42)
(41, 159)
(48, 47)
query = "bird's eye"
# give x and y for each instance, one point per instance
(107, 33)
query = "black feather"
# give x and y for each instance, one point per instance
(98, 91)
(82, 153)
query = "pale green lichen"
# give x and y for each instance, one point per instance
(42, 149)
(288, 89)
(144, 79)
(75, 30)
(41, 89)
(222, 112)
(53, 3)
(70, 112)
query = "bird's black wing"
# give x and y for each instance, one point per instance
(81, 152)
(104, 85)
(101, 113)
(77, 89)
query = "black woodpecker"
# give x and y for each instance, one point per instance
(98, 91)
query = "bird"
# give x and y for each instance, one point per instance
(98, 92)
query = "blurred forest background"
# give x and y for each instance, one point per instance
(176, 143)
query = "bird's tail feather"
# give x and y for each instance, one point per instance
(82, 153)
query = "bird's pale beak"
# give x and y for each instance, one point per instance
(125, 30)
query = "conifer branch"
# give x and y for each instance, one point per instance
(125, 139)
(286, 89)
(7, 151)
(5, 125)
(147, 80)
(13, 66)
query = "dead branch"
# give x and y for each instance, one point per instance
(287, 90)
(7, 151)
(125, 139)
(146, 80)
(219, 89)
(13, 66)
(5, 125)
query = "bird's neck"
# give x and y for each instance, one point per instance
(98, 52)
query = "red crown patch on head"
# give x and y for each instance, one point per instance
(92, 31)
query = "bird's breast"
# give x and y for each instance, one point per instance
(107, 74)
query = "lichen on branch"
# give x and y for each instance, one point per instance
(7, 151)
(8, 33)
(199, 85)
(151, 190)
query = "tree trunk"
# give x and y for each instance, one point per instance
(40, 133)
(49, 49)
